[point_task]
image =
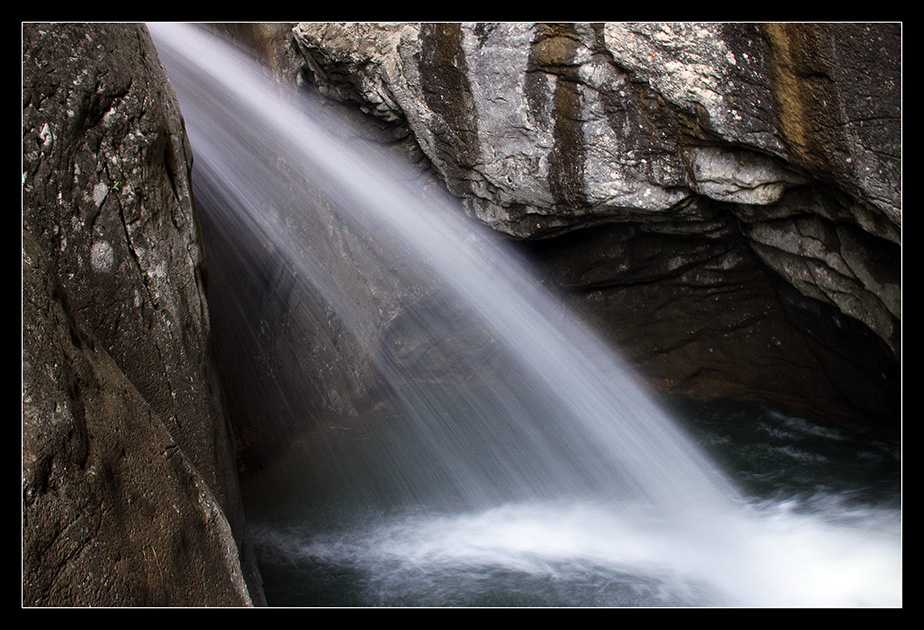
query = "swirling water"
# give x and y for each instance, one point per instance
(510, 458)
(820, 528)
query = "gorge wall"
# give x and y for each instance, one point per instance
(724, 200)
(130, 491)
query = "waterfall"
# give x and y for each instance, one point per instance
(424, 361)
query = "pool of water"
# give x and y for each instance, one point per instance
(819, 527)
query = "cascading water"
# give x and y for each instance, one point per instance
(505, 454)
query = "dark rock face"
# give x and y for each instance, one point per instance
(130, 492)
(723, 199)
(703, 315)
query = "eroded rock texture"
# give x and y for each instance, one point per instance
(724, 199)
(130, 493)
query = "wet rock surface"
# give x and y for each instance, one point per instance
(732, 190)
(130, 491)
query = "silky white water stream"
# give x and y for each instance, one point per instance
(558, 463)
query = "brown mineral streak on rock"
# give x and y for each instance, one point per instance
(447, 91)
(553, 51)
(806, 104)
(790, 108)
